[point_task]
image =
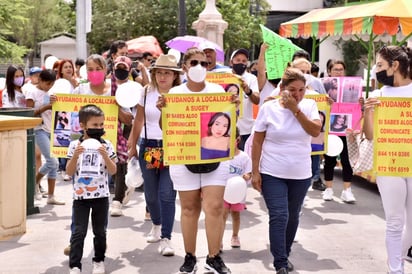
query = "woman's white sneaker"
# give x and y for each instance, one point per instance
(165, 248)
(347, 196)
(154, 235)
(327, 195)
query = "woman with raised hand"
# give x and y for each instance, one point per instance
(282, 142)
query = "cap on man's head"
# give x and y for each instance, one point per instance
(206, 45)
(240, 51)
(34, 70)
(123, 60)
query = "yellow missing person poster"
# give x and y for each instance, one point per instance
(65, 120)
(198, 128)
(231, 83)
(320, 143)
(392, 137)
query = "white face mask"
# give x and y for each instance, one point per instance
(197, 73)
(308, 79)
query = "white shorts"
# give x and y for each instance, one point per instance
(184, 180)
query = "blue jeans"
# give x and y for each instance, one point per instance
(80, 221)
(49, 168)
(159, 193)
(284, 199)
(315, 167)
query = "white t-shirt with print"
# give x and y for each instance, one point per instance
(41, 98)
(240, 164)
(245, 123)
(286, 148)
(91, 179)
(19, 100)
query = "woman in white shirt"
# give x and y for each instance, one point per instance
(199, 190)
(394, 71)
(12, 96)
(282, 142)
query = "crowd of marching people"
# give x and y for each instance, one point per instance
(273, 149)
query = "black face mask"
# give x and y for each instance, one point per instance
(239, 69)
(254, 72)
(384, 79)
(121, 74)
(95, 133)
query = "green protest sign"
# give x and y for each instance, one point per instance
(278, 54)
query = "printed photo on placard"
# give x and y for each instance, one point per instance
(215, 140)
(340, 122)
(318, 143)
(351, 90)
(331, 85)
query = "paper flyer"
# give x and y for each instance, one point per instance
(346, 110)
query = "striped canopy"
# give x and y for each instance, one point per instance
(384, 17)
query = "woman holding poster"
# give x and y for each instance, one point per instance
(280, 143)
(394, 71)
(158, 187)
(336, 68)
(199, 190)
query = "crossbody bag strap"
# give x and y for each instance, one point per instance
(144, 114)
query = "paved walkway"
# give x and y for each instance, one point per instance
(333, 238)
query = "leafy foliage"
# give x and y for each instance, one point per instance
(11, 17)
(131, 19)
(121, 19)
(353, 52)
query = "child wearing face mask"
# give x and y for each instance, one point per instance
(12, 96)
(90, 192)
(41, 101)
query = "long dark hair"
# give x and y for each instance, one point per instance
(401, 54)
(212, 121)
(11, 71)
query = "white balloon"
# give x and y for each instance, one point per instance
(49, 62)
(83, 72)
(127, 95)
(91, 144)
(175, 53)
(235, 190)
(61, 86)
(335, 145)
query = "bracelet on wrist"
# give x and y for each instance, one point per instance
(297, 112)
(250, 93)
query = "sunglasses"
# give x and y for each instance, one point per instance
(194, 63)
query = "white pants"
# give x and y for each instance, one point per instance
(396, 194)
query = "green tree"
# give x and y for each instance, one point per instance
(44, 19)
(122, 19)
(11, 19)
